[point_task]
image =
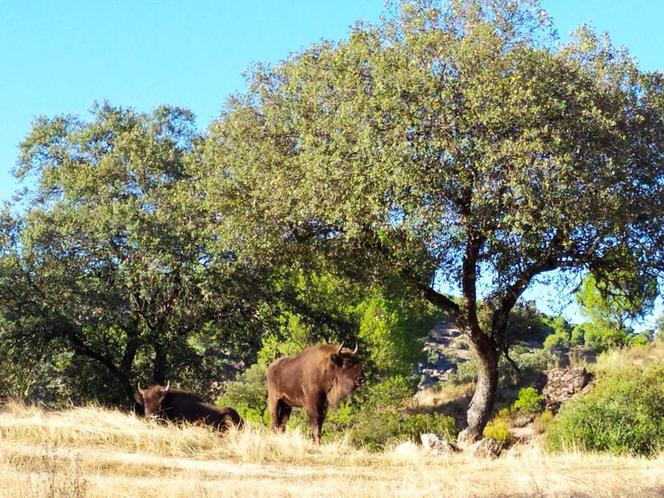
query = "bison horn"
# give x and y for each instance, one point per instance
(168, 386)
(138, 386)
(355, 350)
(340, 346)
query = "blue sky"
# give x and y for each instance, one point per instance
(59, 57)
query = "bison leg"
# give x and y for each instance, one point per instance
(316, 414)
(283, 414)
(273, 406)
(279, 414)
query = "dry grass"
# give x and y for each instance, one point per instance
(443, 394)
(100, 453)
(623, 359)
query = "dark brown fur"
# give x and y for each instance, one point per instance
(314, 379)
(173, 404)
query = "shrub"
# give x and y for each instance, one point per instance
(600, 338)
(543, 421)
(498, 429)
(527, 323)
(622, 414)
(638, 340)
(556, 342)
(530, 362)
(377, 431)
(529, 400)
(392, 327)
(466, 371)
(373, 418)
(422, 423)
(578, 335)
(247, 394)
(537, 360)
(382, 418)
(618, 360)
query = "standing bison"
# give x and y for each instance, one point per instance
(173, 404)
(316, 378)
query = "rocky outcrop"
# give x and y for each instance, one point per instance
(559, 385)
(444, 348)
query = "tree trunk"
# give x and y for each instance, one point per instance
(159, 370)
(479, 411)
(126, 366)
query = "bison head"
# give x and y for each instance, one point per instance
(347, 371)
(152, 399)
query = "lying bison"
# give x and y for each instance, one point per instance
(173, 404)
(317, 377)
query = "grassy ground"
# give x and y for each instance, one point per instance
(96, 452)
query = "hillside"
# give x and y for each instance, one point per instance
(98, 452)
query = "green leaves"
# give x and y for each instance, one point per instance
(445, 123)
(611, 304)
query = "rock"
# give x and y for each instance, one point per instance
(559, 385)
(443, 349)
(437, 445)
(484, 448)
(407, 449)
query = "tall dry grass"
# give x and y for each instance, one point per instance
(617, 360)
(103, 453)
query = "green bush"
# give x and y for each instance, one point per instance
(498, 429)
(377, 431)
(382, 418)
(422, 423)
(638, 340)
(556, 342)
(248, 395)
(530, 362)
(526, 323)
(391, 327)
(600, 338)
(578, 335)
(529, 400)
(466, 371)
(622, 414)
(373, 418)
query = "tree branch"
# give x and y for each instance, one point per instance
(436, 298)
(510, 360)
(469, 285)
(501, 312)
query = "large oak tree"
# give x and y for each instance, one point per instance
(456, 139)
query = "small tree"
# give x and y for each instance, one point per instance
(611, 305)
